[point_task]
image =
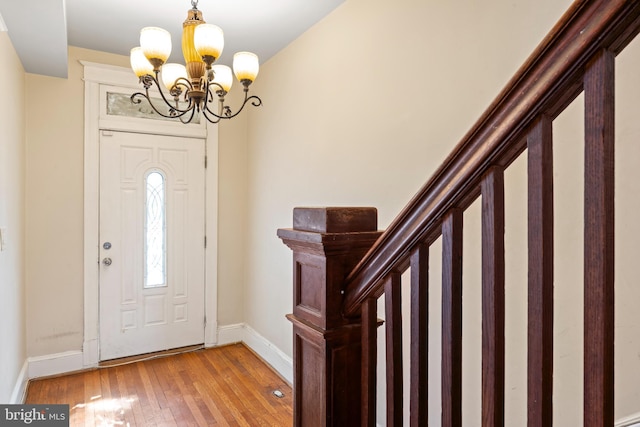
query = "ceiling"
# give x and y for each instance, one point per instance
(41, 30)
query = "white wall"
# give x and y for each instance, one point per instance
(361, 109)
(12, 195)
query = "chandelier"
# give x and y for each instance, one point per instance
(194, 87)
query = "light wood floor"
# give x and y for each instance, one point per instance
(225, 386)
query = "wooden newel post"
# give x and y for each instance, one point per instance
(327, 243)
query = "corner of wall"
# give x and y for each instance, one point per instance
(20, 388)
(272, 355)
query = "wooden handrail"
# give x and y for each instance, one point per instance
(342, 265)
(549, 80)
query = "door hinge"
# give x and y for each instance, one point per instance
(205, 321)
(206, 161)
(205, 242)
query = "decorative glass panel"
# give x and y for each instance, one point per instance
(119, 104)
(155, 230)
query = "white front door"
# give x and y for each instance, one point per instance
(152, 211)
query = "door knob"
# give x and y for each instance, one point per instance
(107, 261)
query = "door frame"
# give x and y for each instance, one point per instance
(96, 78)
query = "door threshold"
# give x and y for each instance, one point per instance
(148, 356)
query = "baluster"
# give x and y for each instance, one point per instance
(369, 361)
(419, 335)
(599, 229)
(493, 298)
(452, 319)
(540, 303)
(393, 323)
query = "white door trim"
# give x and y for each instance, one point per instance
(96, 75)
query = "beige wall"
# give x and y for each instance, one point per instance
(361, 109)
(12, 210)
(627, 334)
(232, 215)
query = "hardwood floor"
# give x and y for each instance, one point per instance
(225, 386)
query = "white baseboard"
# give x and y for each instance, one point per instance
(54, 364)
(230, 334)
(71, 361)
(241, 332)
(629, 421)
(20, 389)
(270, 353)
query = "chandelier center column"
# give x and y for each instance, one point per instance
(193, 61)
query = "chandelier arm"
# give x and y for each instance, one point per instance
(255, 101)
(209, 119)
(148, 79)
(208, 97)
(219, 115)
(181, 81)
(175, 91)
(193, 111)
(135, 98)
(220, 88)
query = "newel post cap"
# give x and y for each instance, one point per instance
(335, 219)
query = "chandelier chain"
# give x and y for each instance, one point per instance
(194, 3)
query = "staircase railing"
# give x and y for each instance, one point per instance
(342, 265)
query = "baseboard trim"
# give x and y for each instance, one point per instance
(629, 421)
(72, 361)
(20, 389)
(241, 332)
(271, 354)
(55, 364)
(230, 334)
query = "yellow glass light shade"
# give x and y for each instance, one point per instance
(222, 76)
(172, 72)
(246, 66)
(194, 20)
(139, 63)
(209, 40)
(155, 43)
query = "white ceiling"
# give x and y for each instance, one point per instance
(40, 30)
